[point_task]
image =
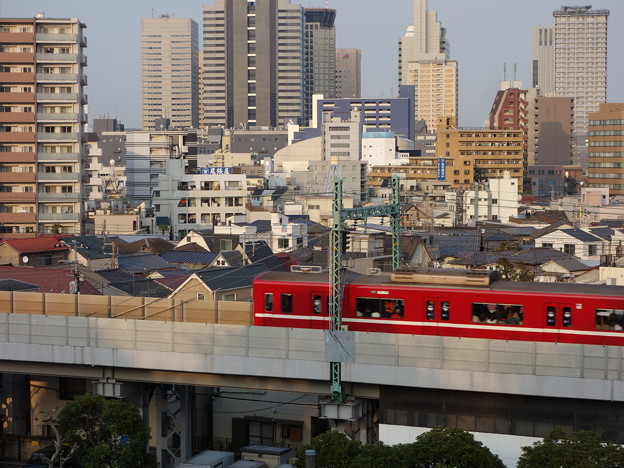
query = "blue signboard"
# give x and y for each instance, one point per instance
(441, 168)
(215, 170)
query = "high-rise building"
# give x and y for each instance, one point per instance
(551, 121)
(320, 56)
(581, 65)
(253, 63)
(169, 71)
(348, 73)
(43, 101)
(606, 148)
(543, 59)
(424, 54)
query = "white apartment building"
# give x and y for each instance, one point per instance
(496, 200)
(192, 201)
(169, 71)
(379, 149)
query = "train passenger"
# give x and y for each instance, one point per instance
(514, 319)
(397, 313)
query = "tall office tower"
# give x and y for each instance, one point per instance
(348, 73)
(581, 66)
(41, 127)
(253, 62)
(606, 148)
(543, 59)
(170, 71)
(424, 54)
(320, 56)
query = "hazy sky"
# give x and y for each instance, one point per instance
(484, 34)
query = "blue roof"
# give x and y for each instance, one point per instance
(378, 135)
(581, 235)
(262, 225)
(142, 263)
(186, 256)
(231, 278)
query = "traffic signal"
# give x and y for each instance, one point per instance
(345, 240)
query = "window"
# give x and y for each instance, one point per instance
(379, 308)
(547, 245)
(569, 249)
(261, 433)
(610, 319)
(567, 317)
(316, 304)
(446, 310)
(550, 316)
(501, 314)
(229, 297)
(201, 297)
(592, 250)
(268, 302)
(287, 305)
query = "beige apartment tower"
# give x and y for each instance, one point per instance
(606, 148)
(169, 71)
(424, 54)
(42, 142)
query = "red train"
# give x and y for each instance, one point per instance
(448, 303)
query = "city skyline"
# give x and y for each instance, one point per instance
(114, 59)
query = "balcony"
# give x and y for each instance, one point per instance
(64, 77)
(18, 218)
(11, 157)
(17, 57)
(17, 117)
(8, 77)
(45, 116)
(17, 197)
(65, 97)
(57, 37)
(72, 58)
(17, 137)
(16, 38)
(54, 196)
(17, 177)
(43, 217)
(9, 98)
(57, 137)
(56, 156)
(57, 176)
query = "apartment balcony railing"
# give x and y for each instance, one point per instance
(58, 217)
(57, 156)
(58, 176)
(57, 136)
(54, 117)
(54, 196)
(56, 37)
(69, 77)
(57, 58)
(71, 97)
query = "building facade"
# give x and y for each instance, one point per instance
(253, 63)
(581, 66)
(424, 54)
(42, 143)
(543, 59)
(348, 73)
(550, 130)
(169, 71)
(606, 148)
(320, 56)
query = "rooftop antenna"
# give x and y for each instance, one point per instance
(504, 72)
(515, 72)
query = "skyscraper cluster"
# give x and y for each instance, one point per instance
(261, 63)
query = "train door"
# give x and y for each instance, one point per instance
(437, 311)
(558, 318)
(317, 310)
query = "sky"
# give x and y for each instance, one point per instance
(484, 34)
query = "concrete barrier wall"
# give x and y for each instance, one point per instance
(127, 307)
(540, 369)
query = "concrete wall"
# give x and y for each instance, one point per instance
(494, 366)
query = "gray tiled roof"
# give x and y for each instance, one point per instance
(539, 255)
(571, 264)
(581, 235)
(231, 278)
(185, 256)
(142, 263)
(9, 284)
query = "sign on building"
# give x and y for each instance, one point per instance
(215, 170)
(441, 168)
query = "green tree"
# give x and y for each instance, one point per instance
(511, 272)
(378, 455)
(443, 447)
(583, 449)
(333, 450)
(108, 433)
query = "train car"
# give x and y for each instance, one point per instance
(446, 303)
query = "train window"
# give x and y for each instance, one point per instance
(446, 310)
(287, 303)
(567, 317)
(610, 319)
(379, 308)
(316, 304)
(268, 302)
(494, 313)
(550, 316)
(430, 310)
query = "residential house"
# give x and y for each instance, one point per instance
(33, 251)
(583, 243)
